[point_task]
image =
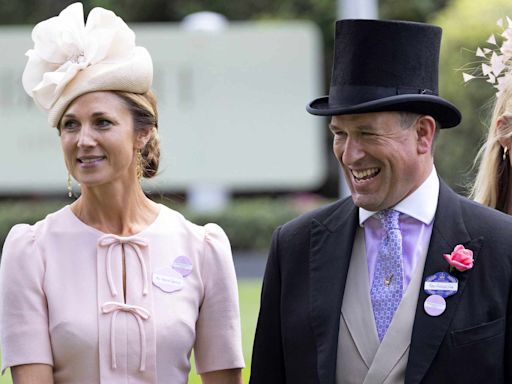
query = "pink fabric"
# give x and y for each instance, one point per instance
(63, 301)
(415, 240)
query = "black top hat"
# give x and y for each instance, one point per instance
(386, 66)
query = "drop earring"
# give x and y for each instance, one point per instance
(505, 153)
(70, 185)
(139, 166)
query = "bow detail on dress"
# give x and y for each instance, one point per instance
(140, 314)
(111, 241)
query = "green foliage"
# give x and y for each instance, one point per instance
(248, 222)
(466, 25)
(416, 10)
(15, 212)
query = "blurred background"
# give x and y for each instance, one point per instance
(233, 79)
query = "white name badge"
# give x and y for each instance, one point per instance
(168, 280)
(441, 286)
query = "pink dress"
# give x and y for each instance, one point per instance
(62, 300)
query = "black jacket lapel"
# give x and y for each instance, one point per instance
(428, 332)
(331, 248)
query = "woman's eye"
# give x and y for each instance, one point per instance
(69, 125)
(103, 123)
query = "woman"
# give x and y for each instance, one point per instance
(492, 184)
(114, 287)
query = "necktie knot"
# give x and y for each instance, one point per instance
(389, 219)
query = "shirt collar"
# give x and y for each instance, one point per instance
(421, 204)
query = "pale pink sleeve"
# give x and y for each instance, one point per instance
(23, 309)
(218, 338)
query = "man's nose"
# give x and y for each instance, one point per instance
(352, 151)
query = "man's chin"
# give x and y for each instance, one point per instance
(366, 203)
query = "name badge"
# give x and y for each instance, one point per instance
(442, 284)
(168, 280)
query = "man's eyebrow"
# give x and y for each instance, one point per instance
(361, 127)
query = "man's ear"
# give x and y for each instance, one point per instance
(142, 136)
(425, 131)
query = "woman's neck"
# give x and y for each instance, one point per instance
(115, 209)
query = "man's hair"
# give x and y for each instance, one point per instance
(407, 119)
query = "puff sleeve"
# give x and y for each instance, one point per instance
(23, 308)
(218, 335)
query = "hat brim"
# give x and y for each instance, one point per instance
(440, 109)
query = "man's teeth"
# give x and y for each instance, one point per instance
(365, 173)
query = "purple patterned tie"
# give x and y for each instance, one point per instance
(386, 291)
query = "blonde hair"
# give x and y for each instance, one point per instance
(491, 183)
(143, 108)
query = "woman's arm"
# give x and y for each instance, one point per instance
(226, 376)
(32, 374)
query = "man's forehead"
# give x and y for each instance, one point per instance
(371, 119)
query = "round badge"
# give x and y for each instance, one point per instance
(434, 305)
(183, 265)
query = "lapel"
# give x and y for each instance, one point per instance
(330, 250)
(428, 332)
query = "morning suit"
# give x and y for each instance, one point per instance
(304, 286)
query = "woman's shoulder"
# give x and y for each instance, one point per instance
(52, 220)
(171, 216)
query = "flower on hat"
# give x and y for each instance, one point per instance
(64, 45)
(495, 59)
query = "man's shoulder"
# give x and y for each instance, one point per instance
(326, 215)
(484, 216)
(478, 219)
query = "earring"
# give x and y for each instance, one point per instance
(505, 153)
(70, 185)
(139, 167)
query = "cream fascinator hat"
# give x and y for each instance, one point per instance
(71, 58)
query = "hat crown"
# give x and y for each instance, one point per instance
(382, 65)
(396, 54)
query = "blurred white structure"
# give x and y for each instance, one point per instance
(205, 21)
(358, 9)
(206, 196)
(231, 107)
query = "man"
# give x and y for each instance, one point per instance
(367, 290)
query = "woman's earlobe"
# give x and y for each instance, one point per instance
(504, 137)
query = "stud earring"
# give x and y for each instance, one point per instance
(139, 166)
(70, 185)
(505, 153)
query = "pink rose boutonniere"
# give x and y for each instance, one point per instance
(460, 259)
